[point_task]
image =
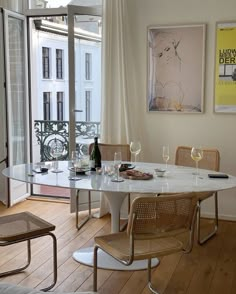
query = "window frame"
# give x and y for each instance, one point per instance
(88, 66)
(47, 105)
(60, 106)
(46, 67)
(88, 96)
(59, 64)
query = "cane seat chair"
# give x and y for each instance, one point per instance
(107, 153)
(211, 161)
(25, 226)
(154, 225)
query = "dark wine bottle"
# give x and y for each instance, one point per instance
(95, 156)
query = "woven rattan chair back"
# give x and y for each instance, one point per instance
(210, 160)
(108, 150)
(153, 226)
(152, 217)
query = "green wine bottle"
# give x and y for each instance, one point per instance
(95, 156)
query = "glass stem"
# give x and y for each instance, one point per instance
(118, 172)
(196, 167)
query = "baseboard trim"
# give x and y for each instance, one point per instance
(221, 216)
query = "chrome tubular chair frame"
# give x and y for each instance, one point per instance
(87, 218)
(211, 161)
(153, 226)
(9, 238)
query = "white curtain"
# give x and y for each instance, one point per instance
(118, 89)
(115, 121)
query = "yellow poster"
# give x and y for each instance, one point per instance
(225, 70)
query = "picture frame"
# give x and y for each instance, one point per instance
(176, 68)
(225, 68)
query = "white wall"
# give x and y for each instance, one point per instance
(207, 129)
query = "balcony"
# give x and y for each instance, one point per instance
(47, 131)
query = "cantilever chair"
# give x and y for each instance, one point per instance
(153, 227)
(211, 161)
(107, 153)
(25, 226)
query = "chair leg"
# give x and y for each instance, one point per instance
(18, 270)
(84, 221)
(150, 278)
(54, 263)
(95, 268)
(206, 238)
(124, 226)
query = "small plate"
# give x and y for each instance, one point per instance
(126, 166)
(79, 170)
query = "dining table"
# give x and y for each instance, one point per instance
(176, 179)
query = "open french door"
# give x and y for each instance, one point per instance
(74, 13)
(3, 141)
(16, 99)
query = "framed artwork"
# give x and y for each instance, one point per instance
(176, 67)
(225, 67)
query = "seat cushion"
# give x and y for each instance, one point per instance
(6, 288)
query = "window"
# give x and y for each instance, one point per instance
(46, 105)
(60, 105)
(59, 67)
(46, 62)
(88, 65)
(87, 105)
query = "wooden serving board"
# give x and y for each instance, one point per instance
(140, 176)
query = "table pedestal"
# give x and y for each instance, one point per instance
(105, 261)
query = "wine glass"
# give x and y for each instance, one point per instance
(166, 154)
(57, 149)
(135, 148)
(76, 163)
(196, 154)
(117, 165)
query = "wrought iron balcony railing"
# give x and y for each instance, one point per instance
(50, 131)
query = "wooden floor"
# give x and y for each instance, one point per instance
(207, 269)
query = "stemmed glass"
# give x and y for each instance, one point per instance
(76, 163)
(135, 148)
(196, 154)
(117, 165)
(57, 150)
(165, 154)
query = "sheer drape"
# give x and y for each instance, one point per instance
(115, 122)
(117, 86)
(17, 89)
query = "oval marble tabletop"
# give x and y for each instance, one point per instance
(176, 179)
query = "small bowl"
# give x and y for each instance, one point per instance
(160, 172)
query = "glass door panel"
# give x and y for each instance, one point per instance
(17, 98)
(49, 92)
(65, 95)
(84, 31)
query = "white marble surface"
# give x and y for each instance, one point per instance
(177, 179)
